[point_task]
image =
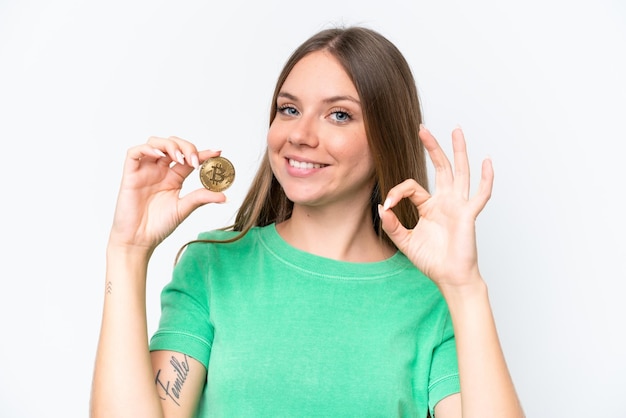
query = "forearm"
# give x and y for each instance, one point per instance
(123, 383)
(487, 389)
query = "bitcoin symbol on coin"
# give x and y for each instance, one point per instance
(217, 174)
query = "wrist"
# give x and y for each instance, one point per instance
(124, 253)
(471, 289)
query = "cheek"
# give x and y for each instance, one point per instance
(364, 158)
(273, 147)
(355, 148)
(274, 141)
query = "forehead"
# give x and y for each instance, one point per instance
(319, 74)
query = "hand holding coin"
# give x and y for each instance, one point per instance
(217, 174)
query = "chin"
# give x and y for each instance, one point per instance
(304, 200)
(301, 192)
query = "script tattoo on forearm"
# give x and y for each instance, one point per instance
(171, 390)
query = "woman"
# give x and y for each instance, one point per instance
(319, 300)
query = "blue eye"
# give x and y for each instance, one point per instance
(287, 110)
(341, 116)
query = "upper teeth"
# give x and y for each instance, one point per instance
(301, 164)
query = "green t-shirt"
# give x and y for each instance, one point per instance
(284, 333)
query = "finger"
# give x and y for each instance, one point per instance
(410, 189)
(169, 147)
(398, 234)
(443, 169)
(485, 187)
(206, 154)
(461, 163)
(179, 150)
(184, 169)
(199, 197)
(145, 152)
(188, 150)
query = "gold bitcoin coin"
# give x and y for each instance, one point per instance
(217, 174)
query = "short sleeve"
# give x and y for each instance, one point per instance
(185, 324)
(444, 371)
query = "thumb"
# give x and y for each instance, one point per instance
(197, 198)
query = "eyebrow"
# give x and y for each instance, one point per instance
(332, 99)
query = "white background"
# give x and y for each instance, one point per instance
(537, 85)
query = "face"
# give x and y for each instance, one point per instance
(317, 144)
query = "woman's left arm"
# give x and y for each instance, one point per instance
(443, 246)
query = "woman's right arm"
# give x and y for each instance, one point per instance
(149, 208)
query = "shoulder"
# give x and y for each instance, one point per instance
(210, 249)
(222, 241)
(227, 235)
(217, 235)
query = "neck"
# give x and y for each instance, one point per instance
(347, 234)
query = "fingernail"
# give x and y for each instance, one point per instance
(158, 152)
(380, 211)
(180, 157)
(194, 161)
(387, 204)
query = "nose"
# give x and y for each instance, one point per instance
(304, 132)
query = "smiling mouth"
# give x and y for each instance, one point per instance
(304, 165)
